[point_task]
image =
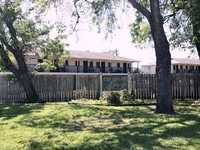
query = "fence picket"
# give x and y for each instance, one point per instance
(64, 87)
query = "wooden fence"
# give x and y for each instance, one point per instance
(64, 87)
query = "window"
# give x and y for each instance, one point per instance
(77, 63)
(181, 66)
(55, 62)
(98, 64)
(40, 60)
(129, 65)
(91, 64)
(109, 64)
(118, 65)
(186, 67)
(174, 67)
(66, 62)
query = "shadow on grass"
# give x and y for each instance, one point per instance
(12, 110)
(117, 127)
(149, 132)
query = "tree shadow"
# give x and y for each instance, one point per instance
(9, 111)
(129, 126)
(145, 137)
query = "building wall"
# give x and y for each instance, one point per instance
(175, 68)
(181, 68)
(31, 60)
(72, 63)
(148, 69)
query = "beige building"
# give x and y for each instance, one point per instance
(94, 62)
(178, 65)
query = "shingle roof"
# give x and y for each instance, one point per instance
(185, 61)
(180, 61)
(98, 55)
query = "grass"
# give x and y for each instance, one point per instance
(76, 126)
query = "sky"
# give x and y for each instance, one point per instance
(89, 40)
(92, 41)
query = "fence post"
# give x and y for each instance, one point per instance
(101, 85)
(74, 83)
(129, 82)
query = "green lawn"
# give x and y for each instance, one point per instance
(88, 126)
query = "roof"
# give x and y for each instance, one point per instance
(179, 61)
(91, 56)
(98, 55)
(185, 61)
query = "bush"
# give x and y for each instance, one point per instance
(128, 95)
(113, 98)
(133, 95)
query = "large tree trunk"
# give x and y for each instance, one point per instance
(21, 73)
(163, 56)
(195, 17)
(11, 43)
(27, 84)
(24, 78)
(163, 75)
(163, 62)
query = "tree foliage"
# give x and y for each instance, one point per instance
(21, 31)
(181, 22)
(185, 25)
(148, 13)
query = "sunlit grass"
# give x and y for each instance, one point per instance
(89, 126)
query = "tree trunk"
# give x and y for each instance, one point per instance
(24, 78)
(163, 56)
(27, 84)
(20, 72)
(163, 62)
(163, 73)
(198, 48)
(10, 41)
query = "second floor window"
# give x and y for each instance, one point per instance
(91, 64)
(129, 65)
(118, 65)
(98, 64)
(109, 65)
(66, 62)
(40, 60)
(77, 63)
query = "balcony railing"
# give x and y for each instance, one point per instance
(186, 71)
(82, 69)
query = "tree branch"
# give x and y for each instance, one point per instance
(9, 21)
(6, 60)
(167, 17)
(156, 14)
(141, 9)
(77, 14)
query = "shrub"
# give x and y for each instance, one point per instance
(113, 98)
(128, 95)
(133, 95)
